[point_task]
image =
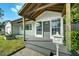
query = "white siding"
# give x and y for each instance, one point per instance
(48, 15)
(8, 28)
(16, 29)
(30, 32)
(45, 16)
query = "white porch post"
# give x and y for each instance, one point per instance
(24, 28)
(68, 26)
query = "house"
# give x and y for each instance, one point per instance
(17, 27)
(8, 28)
(40, 22)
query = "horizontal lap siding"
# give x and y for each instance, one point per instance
(30, 33)
(15, 29)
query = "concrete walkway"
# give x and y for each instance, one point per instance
(27, 52)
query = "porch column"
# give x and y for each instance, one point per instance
(68, 26)
(24, 28)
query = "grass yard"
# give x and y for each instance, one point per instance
(9, 46)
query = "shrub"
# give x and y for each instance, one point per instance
(75, 40)
(9, 37)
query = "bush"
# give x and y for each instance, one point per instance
(75, 40)
(75, 21)
(9, 37)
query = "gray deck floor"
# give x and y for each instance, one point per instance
(27, 52)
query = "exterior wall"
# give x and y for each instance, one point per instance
(8, 28)
(16, 28)
(21, 29)
(45, 45)
(30, 32)
(48, 16)
(45, 16)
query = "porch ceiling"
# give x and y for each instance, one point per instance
(32, 10)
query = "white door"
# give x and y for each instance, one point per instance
(56, 25)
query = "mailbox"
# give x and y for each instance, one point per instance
(58, 39)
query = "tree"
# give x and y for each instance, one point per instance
(1, 23)
(75, 13)
(1, 13)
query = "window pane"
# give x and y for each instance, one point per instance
(28, 27)
(55, 26)
(54, 30)
(39, 28)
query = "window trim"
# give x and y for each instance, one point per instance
(61, 27)
(38, 35)
(54, 28)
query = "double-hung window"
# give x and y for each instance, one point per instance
(55, 26)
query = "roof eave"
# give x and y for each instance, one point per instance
(20, 11)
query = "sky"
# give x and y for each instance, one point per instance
(10, 11)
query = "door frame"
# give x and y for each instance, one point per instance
(49, 27)
(42, 35)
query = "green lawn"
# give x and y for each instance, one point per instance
(9, 46)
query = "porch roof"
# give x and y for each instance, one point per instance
(32, 10)
(19, 20)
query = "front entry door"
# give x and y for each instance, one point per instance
(46, 29)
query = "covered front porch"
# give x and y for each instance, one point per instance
(42, 41)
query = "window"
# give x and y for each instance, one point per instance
(39, 28)
(55, 26)
(28, 27)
